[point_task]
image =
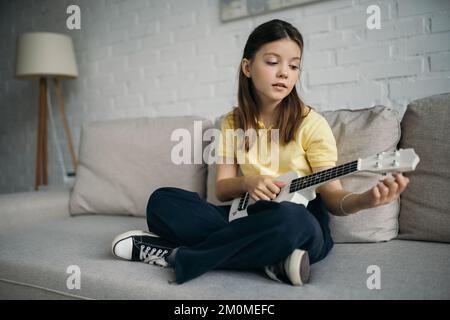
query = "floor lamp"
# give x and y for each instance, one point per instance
(42, 55)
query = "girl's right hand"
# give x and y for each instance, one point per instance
(263, 187)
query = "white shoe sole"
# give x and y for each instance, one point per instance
(297, 266)
(122, 245)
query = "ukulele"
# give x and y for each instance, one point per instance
(301, 190)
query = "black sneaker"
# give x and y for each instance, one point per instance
(294, 269)
(137, 245)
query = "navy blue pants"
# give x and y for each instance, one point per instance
(208, 241)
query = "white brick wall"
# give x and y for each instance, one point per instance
(157, 57)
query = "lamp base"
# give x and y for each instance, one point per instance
(71, 174)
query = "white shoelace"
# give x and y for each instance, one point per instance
(153, 256)
(270, 272)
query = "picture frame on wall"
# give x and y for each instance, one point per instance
(237, 9)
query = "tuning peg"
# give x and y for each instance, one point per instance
(397, 153)
(378, 165)
(395, 163)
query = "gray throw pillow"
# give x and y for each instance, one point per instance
(425, 210)
(360, 134)
(123, 161)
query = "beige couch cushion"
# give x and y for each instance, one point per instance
(425, 211)
(359, 134)
(123, 161)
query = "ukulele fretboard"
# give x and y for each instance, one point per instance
(323, 176)
(310, 180)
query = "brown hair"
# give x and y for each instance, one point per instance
(291, 107)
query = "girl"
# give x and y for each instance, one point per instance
(282, 238)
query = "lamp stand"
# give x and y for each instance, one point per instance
(41, 154)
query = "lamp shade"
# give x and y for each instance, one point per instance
(45, 54)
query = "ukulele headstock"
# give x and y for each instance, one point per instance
(401, 160)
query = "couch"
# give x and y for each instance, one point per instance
(56, 243)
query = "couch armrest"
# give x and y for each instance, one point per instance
(27, 208)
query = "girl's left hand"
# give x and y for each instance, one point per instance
(384, 192)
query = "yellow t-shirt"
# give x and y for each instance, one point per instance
(314, 146)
